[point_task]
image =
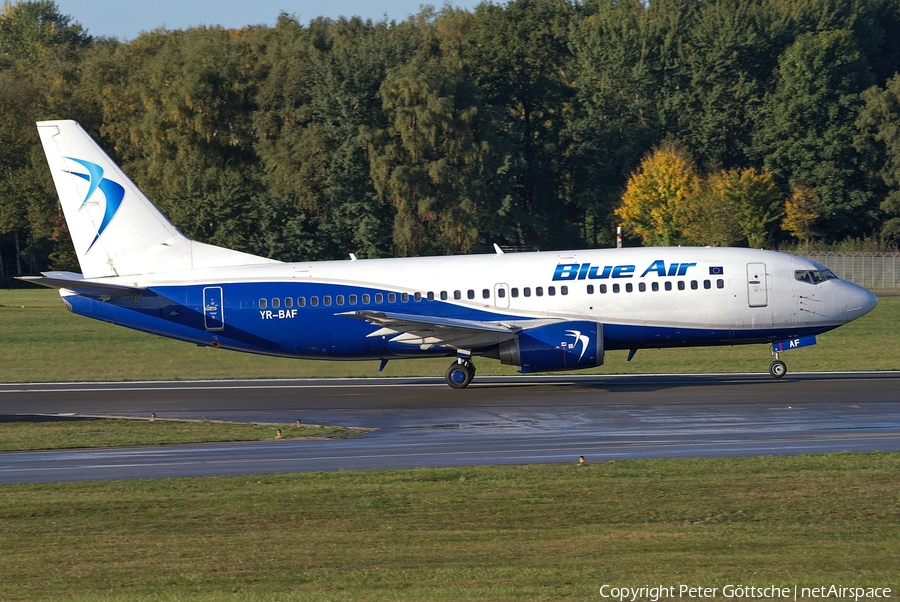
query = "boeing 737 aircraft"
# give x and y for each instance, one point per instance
(547, 311)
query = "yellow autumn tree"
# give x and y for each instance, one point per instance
(753, 200)
(711, 220)
(800, 212)
(667, 203)
(659, 194)
(734, 205)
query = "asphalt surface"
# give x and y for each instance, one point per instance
(497, 420)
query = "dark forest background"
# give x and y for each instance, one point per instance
(521, 123)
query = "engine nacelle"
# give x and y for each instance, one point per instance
(557, 346)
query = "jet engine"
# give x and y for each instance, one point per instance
(554, 347)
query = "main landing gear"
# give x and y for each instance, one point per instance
(777, 368)
(460, 374)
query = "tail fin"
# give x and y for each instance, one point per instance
(115, 228)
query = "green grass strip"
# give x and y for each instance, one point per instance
(93, 433)
(481, 533)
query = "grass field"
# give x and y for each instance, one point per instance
(487, 533)
(93, 433)
(42, 342)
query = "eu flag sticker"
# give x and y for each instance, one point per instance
(716, 270)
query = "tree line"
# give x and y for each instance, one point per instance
(535, 124)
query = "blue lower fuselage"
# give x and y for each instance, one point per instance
(320, 332)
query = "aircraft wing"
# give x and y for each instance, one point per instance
(427, 331)
(78, 284)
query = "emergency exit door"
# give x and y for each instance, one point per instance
(501, 296)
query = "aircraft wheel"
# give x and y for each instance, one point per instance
(459, 375)
(777, 369)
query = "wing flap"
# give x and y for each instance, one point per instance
(435, 330)
(408, 322)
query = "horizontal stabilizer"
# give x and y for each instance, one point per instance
(78, 284)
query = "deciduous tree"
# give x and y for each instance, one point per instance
(658, 195)
(437, 161)
(800, 213)
(879, 141)
(517, 54)
(805, 130)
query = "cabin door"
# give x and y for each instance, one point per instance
(757, 293)
(213, 316)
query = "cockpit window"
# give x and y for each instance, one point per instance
(814, 276)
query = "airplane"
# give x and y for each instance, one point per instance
(540, 311)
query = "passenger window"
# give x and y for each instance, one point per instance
(485, 293)
(602, 289)
(314, 301)
(262, 303)
(288, 302)
(538, 291)
(694, 285)
(418, 297)
(352, 299)
(629, 287)
(326, 300)
(392, 297)
(379, 298)
(276, 303)
(526, 291)
(514, 292)
(590, 289)
(720, 283)
(654, 286)
(564, 290)
(551, 290)
(301, 301)
(367, 299)
(404, 297)
(707, 284)
(457, 295)
(443, 295)
(501, 292)
(470, 294)
(642, 287)
(681, 285)
(339, 299)
(668, 286)
(616, 288)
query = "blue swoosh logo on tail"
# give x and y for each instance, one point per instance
(113, 191)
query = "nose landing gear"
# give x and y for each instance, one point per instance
(460, 374)
(777, 368)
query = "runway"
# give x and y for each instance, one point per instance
(497, 420)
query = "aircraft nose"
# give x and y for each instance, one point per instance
(860, 302)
